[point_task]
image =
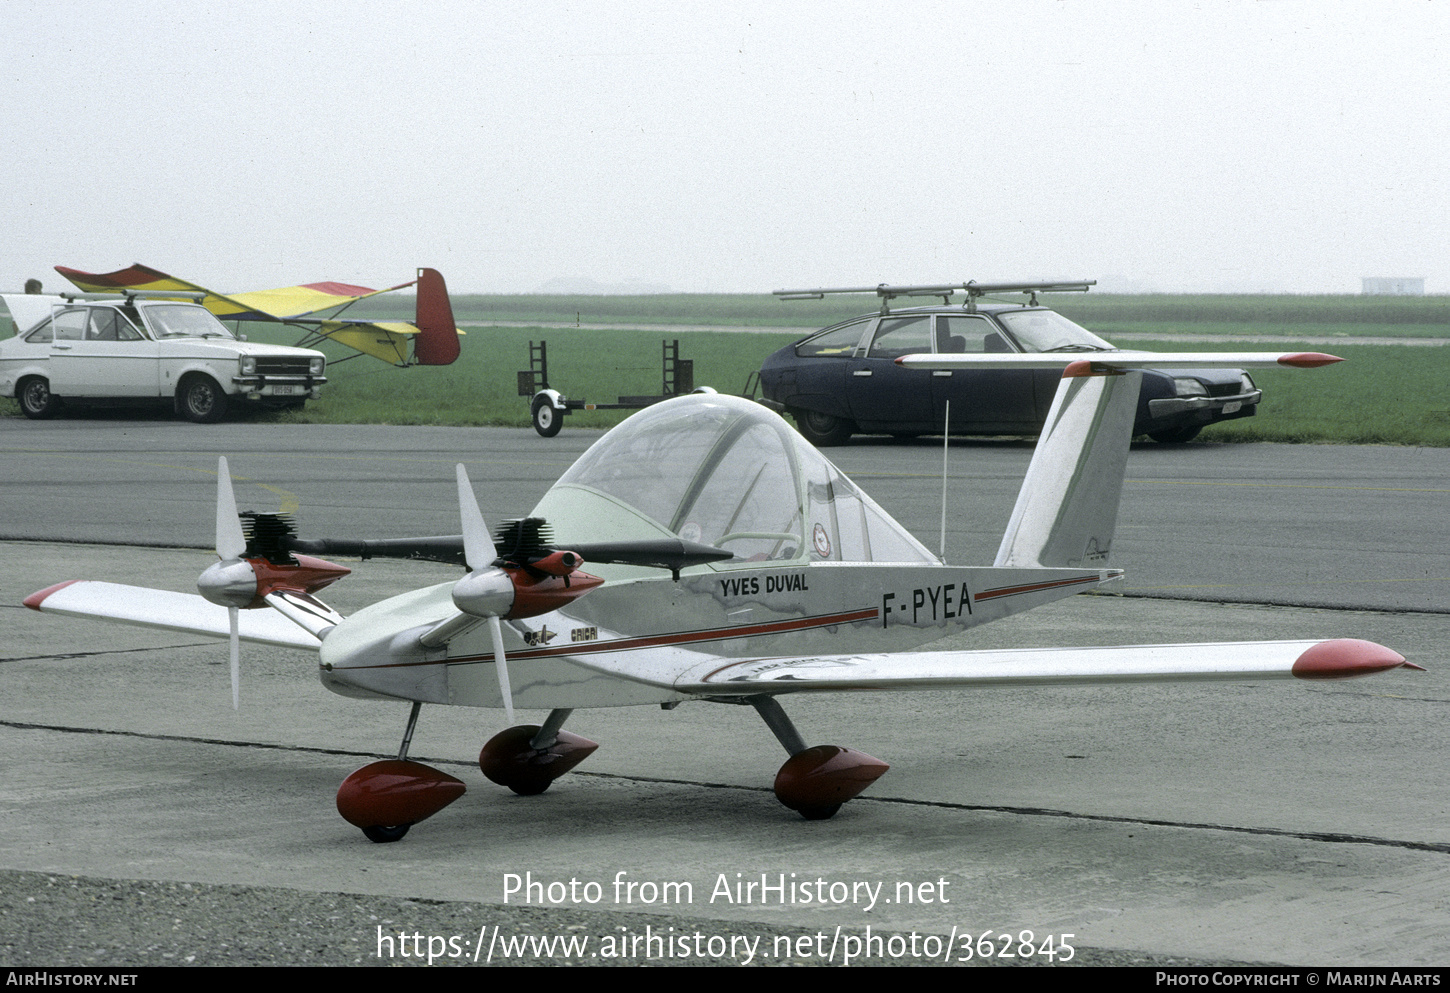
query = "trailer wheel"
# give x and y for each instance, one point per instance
(547, 420)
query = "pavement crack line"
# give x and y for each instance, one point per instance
(109, 651)
(1327, 837)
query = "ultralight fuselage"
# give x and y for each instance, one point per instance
(817, 568)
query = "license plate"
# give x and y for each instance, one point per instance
(1232, 407)
(287, 391)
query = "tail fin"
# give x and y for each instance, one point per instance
(1067, 509)
(437, 340)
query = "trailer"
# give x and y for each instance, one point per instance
(548, 407)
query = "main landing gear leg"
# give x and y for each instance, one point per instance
(814, 782)
(529, 757)
(386, 798)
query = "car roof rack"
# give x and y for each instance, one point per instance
(972, 288)
(128, 295)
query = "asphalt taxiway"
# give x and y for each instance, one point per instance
(1247, 821)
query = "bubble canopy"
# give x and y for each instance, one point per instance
(727, 472)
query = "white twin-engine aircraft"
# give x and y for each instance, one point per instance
(733, 564)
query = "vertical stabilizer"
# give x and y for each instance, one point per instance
(1067, 509)
(437, 340)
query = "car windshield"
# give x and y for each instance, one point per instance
(1049, 331)
(184, 320)
(724, 471)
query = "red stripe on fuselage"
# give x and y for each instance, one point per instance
(1032, 588)
(655, 640)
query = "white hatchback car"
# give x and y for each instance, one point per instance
(130, 348)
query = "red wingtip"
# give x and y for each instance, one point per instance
(1345, 658)
(1309, 360)
(134, 275)
(38, 597)
(1078, 369)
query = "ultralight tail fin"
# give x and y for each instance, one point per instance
(1067, 509)
(437, 340)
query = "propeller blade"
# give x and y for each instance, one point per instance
(233, 615)
(478, 554)
(478, 549)
(230, 542)
(501, 661)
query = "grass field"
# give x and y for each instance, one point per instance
(1381, 394)
(1392, 394)
(482, 386)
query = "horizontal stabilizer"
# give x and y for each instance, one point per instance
(1335, 659)
(168, 611)
(1090, 363)
(1067, 510)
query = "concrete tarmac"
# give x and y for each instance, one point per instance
(1247, 821)
(1302, 525)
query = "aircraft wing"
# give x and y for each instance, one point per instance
(1339, 658)
(434, 334)
(279, 304)
(170, 611)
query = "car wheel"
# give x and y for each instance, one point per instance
(547, 420)
(822, 430)
(201, 400)
(1176, 436)
(36, 400)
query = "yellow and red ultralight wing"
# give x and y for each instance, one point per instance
(434, 335)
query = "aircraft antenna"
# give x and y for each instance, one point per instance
(946, 438)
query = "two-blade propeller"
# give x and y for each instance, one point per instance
(487, 591)
(231, 582)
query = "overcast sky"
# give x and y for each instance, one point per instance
(730, 147)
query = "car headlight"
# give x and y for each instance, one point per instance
(249, 365)
(315, 366)
(1189, 388)
(1246, 383)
